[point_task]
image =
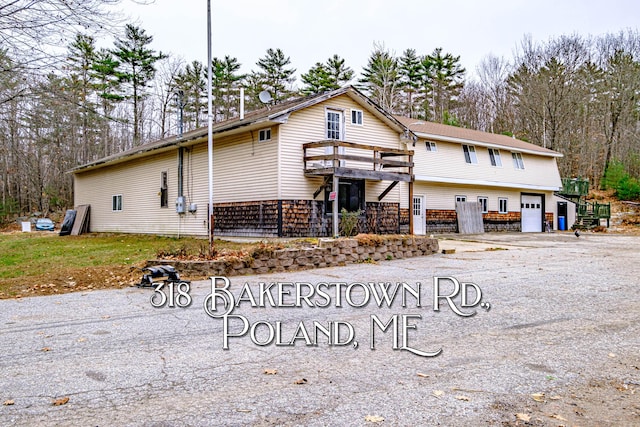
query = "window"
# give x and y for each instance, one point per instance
(334, 124)
(116, 203)
(517, 161)
(461, 198)
(470, 154)
(356, 117)
(264, 135)
(494, 156)
(484, 203)
(431, 146)
(164, 190)
(502, 205)
(350, 195)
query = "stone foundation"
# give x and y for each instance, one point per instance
(329, 253)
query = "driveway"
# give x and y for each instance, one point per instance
(555, 340)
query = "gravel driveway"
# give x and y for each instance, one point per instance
(555, 340)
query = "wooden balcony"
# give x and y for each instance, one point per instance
(357, 161)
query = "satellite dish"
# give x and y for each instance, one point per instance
(265, 97)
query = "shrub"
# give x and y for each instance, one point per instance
(349, 222)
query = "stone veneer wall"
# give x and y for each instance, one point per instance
(329, 253)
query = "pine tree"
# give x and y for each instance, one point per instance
(107, 84)
(411, 71)
(274, 75)
(443, 80)
(325, 77)
(381, 79)
(193, 85)
(137, 63)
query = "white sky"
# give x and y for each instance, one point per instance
(312, 31)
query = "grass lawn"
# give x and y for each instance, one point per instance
(45, 263)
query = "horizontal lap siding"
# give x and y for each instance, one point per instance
(244, 168)
(139, 183)
(449, 162)
(308, 125)
(444, 197)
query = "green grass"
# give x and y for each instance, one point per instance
(31, 254)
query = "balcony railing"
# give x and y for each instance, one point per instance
(575, 187)
(358, 161)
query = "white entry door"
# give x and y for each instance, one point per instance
(531, 213)
(419, 223)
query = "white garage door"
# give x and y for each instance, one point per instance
(531, 213)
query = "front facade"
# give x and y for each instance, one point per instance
(262, 183)
(513, 181)
(289, 169)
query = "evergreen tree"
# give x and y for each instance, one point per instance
(107, 84)
(381, 79)
(275, 77)
(325, 77)
(81, 56)
(192, 82)
(411, 71)
(228, 83)
(443, 80)
(137, 64)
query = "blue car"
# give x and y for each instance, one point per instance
(44, 224)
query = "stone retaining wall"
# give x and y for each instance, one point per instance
(329, 253)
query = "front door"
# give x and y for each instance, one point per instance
(419, 224)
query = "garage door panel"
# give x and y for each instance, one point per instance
(531, 213)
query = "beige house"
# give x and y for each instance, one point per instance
(288, 169)
(513, 181)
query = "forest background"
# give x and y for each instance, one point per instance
(65, 101)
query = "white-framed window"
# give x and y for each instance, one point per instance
(356, 117)
(334, 124)
(502, 205)
(517, 160)
(164, 190)
(116, 202)
(431, 146)
(494, 156)
(484, 203)
(470, 154)
(461, 198)
(264, 135)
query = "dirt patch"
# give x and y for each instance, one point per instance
(59, 281)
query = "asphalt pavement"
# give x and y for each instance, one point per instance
(508, 315)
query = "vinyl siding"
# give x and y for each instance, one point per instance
(443, 197)
(244, 169)
(449, 162)
(308, 125)
(138, 181)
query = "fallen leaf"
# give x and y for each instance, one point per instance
(612, 355)
(555, 398)
(45, 349)
(465, 398)
(300, 381)
(61, 401)
(538, 397)
(9, 402)
(374, 418)
(423, 375)
(523, 417)
(438, 393)
(558, 417)
(270, 371)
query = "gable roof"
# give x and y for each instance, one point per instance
(267, 116)
(438, 131)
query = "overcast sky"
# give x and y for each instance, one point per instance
(312, 31)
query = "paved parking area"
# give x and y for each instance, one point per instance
(555, 339)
